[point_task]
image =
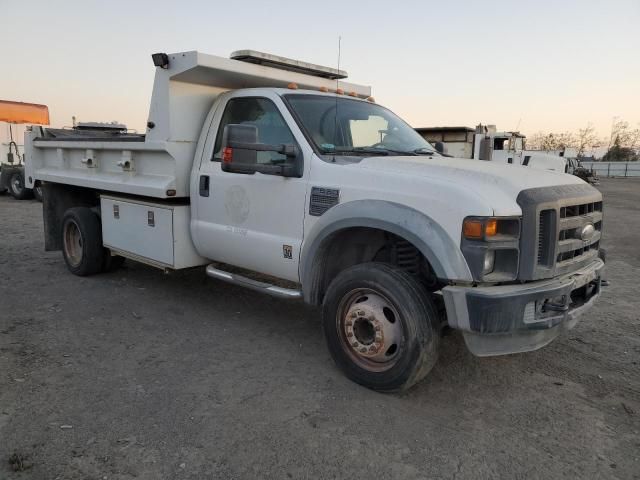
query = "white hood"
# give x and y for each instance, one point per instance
(498, 184)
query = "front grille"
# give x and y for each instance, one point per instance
(578, 210)
(553, 219)
(571, 254)
(546, 233)
(571, 247)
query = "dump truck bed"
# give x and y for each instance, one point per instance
(123, 163)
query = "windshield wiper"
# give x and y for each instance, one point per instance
(417, 151)
(424, 151)
(355, 151)
(377, 151)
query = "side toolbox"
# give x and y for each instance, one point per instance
(154, 233)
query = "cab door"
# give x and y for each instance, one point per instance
(254, 221)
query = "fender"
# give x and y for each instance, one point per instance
(423, 232)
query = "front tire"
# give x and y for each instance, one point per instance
(82, 241)
(17, 188)
(381, 326)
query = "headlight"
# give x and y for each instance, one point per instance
(489, 228)
(489, 261)
(491, 247)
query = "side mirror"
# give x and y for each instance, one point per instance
(439, 146)
(240, 149)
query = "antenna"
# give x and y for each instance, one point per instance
(339, 51)
(335, 117)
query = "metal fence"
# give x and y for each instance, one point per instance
(614, 169)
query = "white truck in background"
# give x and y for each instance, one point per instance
(264, 164)
(486, 143)
(11, 160)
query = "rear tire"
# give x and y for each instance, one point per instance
(37, 192)
(82, 241)
(381, 326)
(17, 188)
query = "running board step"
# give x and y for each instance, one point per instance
(267, 288)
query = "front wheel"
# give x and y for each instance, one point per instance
(381, 326)
(17, 188)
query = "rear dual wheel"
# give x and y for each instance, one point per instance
(381, 326)
(37, 192)
(82, 243)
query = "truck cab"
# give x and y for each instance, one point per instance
(279, 176)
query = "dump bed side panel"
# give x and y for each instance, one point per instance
(151, 169)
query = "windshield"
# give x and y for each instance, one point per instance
(342, 125)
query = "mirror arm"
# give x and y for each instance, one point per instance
(283, 149)
(285, 170)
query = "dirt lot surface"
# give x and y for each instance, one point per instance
(137, 374)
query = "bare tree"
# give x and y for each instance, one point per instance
(585, 139)
(626, 136)
(551, 141)
(624, 142)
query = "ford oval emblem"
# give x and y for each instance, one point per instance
(587, 232)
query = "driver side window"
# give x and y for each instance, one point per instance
(261, 113)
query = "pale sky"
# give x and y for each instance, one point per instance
(540, 65)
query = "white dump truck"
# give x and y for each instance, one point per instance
(486, 143)
(261, 164)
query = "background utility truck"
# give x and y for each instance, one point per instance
(264, 164)
(486, 143)
(11, 161)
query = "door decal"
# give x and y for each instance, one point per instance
(237, 204)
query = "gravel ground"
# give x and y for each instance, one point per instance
(137, 374)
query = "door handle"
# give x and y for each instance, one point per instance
(204, 185)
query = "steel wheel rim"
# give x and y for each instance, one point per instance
(73, 243)
(370, 329)
(15, 185)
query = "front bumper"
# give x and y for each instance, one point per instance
(519, 318)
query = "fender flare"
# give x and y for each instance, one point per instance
(422, 231)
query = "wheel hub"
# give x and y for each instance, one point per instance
(15, 184)
(73, 243)
(372, 327)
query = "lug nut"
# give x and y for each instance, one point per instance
(349, 334)
(377, 328)
(363, 349)
(354, 344)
